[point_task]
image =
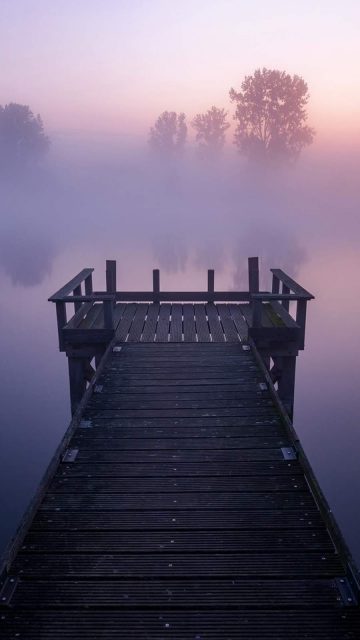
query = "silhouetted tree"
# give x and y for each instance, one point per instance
(168, 135)
(271, 116)
(22, 137)
(210, 130)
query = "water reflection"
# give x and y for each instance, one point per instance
(70, 218)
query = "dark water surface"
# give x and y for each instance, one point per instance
(34, 387)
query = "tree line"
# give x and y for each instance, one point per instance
(270, 120)
(270, 116)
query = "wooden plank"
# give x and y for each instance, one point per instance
(183, 469)
(217, 334)
(149, 330)
(116, 429)
(151, 593)
(176, 519)
(169, 565)
(216, 455)
(89, 320)
(180, 541)
(125, 322)
(202, 327)
(230, 330)
(115, 484)
(163, 325)
(188, 500)
(138, 323)
(77, 318)
(239, 321)
(176, 328)
(112, 401)
(144, 444)
(318, 624)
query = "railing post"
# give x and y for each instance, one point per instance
(256, 312)
(285, 303)
(77, 292)
(156, 285)
(88, 285)
(301, 320)
(275, 284)
(211, 284)
(111, 276)
(108, 314)
(253, 275)
(77, 381)
(61, 322)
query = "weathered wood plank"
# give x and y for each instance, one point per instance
(149, 329)
(162, 330)
(334, 624)
(138, 322)
(176, 329)
(179, 542)
(202, 327)
(124, 325)
(216, 330)
(189, 323)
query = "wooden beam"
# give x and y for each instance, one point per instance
(253, 275)
(211, 284)
(111, 276)
(156, 285)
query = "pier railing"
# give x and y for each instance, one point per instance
(276, 328)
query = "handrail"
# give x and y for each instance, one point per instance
(179, 296)
(281, 276)
(74, 283)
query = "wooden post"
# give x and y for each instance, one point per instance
(111, 276)
(156, 285)
(61, 322)
(256, 313)
(77, 292)
(77, 381)
(286, 303)
(108, 314)
(286, 384)
(301, 321)
(253, 275)
(211, 284)
(275, 284)
(88, 285)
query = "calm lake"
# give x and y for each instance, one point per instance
(34, 387)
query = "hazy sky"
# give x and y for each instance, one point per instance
(113, 65)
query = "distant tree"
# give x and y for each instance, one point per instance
(168, 135)
(271, 116)
(22, 137)
(210, 130)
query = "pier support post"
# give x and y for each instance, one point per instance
(77, 379)
(285, 367)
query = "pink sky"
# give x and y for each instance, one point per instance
(113, 66)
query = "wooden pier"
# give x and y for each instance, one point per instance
(180, 504)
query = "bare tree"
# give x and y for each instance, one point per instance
(210, 130)
(168, 135)
(271, 116)
(22, 137)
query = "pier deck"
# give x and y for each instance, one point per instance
(180, 505)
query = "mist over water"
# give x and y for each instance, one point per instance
(90, 202)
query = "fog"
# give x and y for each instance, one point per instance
(185, 213)
(96, 199)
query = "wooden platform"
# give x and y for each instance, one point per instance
(177, 511)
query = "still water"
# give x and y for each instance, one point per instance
(34, 388)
